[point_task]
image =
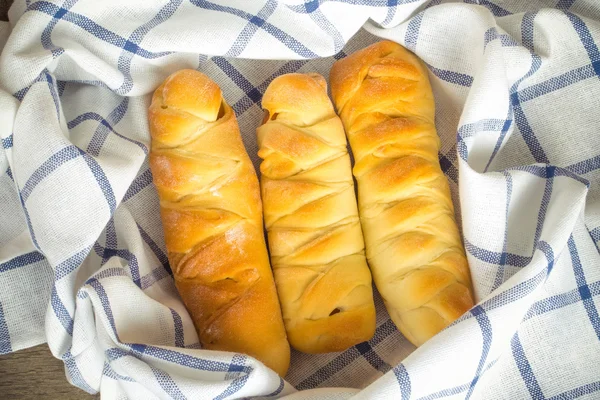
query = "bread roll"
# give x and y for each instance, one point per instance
(414, 249)
(315, 239)
(212, 218)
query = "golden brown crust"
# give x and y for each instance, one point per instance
(384, 99)
(316, 243)
(212, 219)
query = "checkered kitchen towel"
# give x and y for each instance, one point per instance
(82, 257)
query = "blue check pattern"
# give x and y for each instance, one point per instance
(518, 126)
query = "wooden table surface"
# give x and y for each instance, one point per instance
(4, 5)
(34, 373)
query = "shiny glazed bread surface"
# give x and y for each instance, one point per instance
(315, 238)
(212, 218)
(383, 96)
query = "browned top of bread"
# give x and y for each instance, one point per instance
(378, 82)
(316, 243)
(212, 218)
(385, 101)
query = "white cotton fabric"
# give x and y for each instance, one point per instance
(82, 255)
